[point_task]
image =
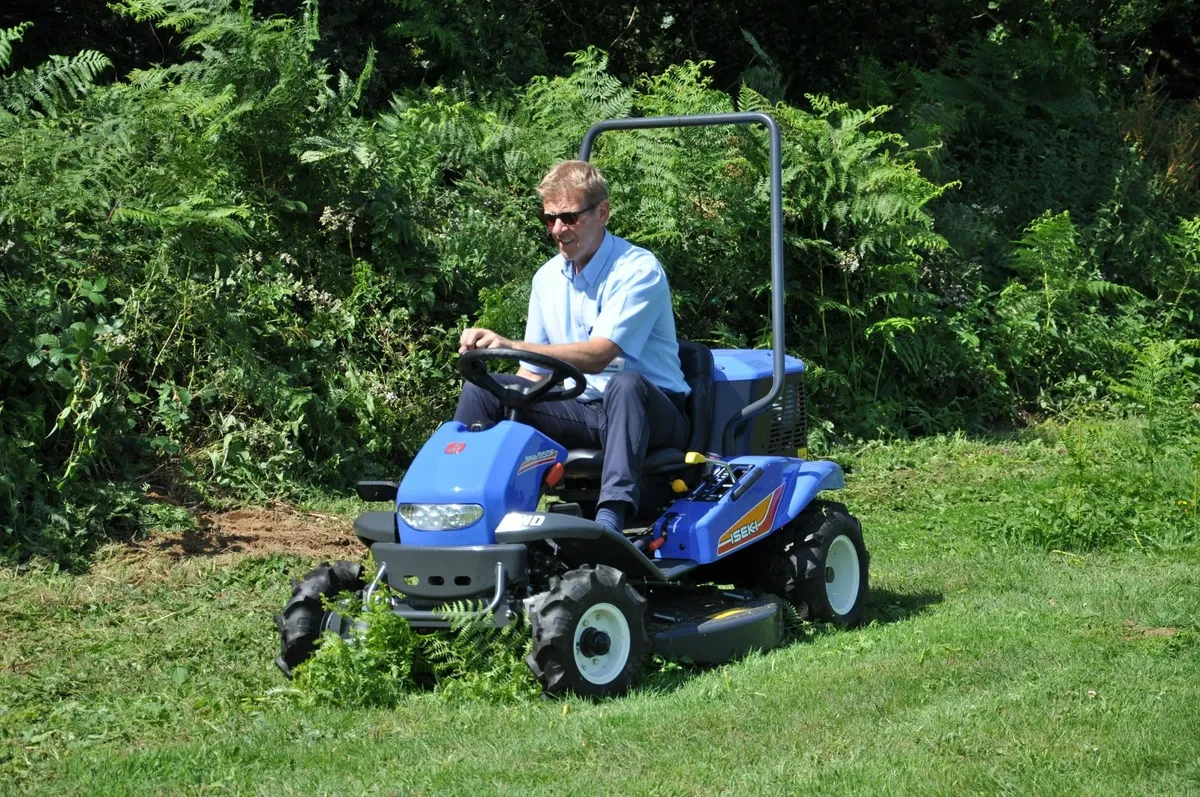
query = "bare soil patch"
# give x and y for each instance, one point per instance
(1133, 629)
(279, 529)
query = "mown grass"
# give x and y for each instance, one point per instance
(991, 664)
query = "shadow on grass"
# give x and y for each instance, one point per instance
(205, 542)
(883, 607)
(663, 677)
(201, 540)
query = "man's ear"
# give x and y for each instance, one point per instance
(602, 211)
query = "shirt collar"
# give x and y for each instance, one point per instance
(597, 265)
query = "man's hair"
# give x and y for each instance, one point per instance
(575, 176)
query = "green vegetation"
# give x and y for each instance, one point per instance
(237, 242)
(389, 660)
(988, 665)
(235, 253)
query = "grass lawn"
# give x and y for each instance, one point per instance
(985, 667)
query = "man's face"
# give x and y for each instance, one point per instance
(578, 241)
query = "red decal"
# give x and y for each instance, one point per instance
(455, 448)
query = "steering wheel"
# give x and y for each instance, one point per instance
(473, 365)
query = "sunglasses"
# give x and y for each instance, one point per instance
(568, 218)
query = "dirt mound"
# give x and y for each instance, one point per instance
(259, 531)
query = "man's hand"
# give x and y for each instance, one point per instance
(591, 356)
(479, 338)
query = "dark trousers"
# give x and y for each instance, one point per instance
(632, 417)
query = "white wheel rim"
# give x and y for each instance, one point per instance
(842, 575)
(608, 619)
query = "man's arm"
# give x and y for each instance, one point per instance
(591, 356)
(535, 332)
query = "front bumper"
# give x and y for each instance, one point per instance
(430, 576)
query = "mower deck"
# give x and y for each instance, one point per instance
(713, 628)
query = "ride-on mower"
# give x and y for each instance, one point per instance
(734, 524)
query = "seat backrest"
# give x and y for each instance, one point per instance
(697, 363)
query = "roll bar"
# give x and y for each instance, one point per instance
(777, 292)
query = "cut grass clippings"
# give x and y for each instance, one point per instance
(990, 663)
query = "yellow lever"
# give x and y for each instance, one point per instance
(695, 458)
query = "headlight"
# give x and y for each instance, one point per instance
(440, 517)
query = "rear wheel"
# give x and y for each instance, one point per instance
(820, 563)
(589, 634)
(305, 617)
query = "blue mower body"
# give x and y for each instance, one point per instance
(705, 530)
(500, 469)
(503, 470)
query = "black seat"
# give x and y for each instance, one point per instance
(697, 363)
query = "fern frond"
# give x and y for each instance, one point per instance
(752, 101)
(184, 15)
(141, 10)
(194, 212)
(765, 78)
(53, 84)
(312, 24)
(7, 37)
(363, 78)
(1102, 289)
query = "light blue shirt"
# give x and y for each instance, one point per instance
(622, 294)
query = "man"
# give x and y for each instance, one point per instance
(604, 306)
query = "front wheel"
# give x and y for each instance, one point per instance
(589, 634)
(305, 617)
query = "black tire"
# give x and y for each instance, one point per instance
(305, 618)
(798, 564)
(580, 610)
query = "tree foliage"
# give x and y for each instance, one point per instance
(241, 271)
